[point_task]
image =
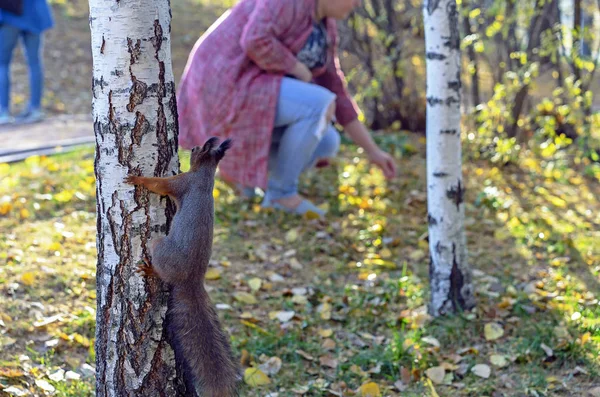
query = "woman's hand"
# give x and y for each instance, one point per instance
(384, 161)
(302, 72)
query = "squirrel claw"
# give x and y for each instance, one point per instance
(145, 269)
(130, 179)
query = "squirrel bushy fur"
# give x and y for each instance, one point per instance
(181, 259)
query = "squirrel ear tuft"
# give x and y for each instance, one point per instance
(223, 147)
(210, 143)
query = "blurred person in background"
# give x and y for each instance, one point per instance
(26, 26)
(267, 75)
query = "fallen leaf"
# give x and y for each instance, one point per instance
(417, 255)
(45, 386)
(291, 235)
(547, 350)
(324, 310)
(328, 344)
(255, 284)
(498, 360)
(57, 376)
(357, 370)
(434, 392)
(325, 333)
(28, 279)
(328, 361)
(70, 375)
(405, 375)
(595, 392)
(305, 355)
(255, 377)
(385, 253)
(11, 373)
(370, 389)
(213, 274)
(271, 366)
(299, 291)
(436, 374)
(15, 391)
(493, 331)
(431, 340)
(561, 332)
(245, 297)
(300, 299)
(482, 370)
(284, 317)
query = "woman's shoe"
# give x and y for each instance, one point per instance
(6, 118)
(305, 208)
(31, 116)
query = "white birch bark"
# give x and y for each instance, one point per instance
(135, 122)
(450, 276)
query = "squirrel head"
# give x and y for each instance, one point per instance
(209, 155)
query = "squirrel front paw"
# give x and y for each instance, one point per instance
(131, 179)
(145, 269)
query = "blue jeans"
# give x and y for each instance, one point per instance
(9, 37)
(302, 135)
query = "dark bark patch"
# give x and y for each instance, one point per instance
(135, 50)
(449, 132)
(454, 85)
(140, 128)
(439, 248)
(137, 93)
(435, 56)
(102, 46)
(432, 5)
(452, 41)
(440, 174)
(434, 101)
(431, 220)
(158, 37)
(456, 194)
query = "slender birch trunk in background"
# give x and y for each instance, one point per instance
(450, 275)
(135, 122)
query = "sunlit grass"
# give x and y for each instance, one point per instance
(358, 285)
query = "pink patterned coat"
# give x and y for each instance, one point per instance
(230, 84)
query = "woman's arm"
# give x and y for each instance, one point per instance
(361, 136)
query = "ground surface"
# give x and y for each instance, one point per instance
(332, 306)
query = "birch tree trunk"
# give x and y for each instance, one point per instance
(450, 276)
(135, 122)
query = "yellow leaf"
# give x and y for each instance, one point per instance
(291, 235)
(326, 333)
(386, 253)
(24, 213)
(5, 207)
(436, 374)
(498, 360)
(325, 311)
(216, 193)
(417, 255)
(493, 331)
(370, 389)
(213, 274)
(434, 393)
(255, 377)
(245, 297)
(255, 284)
(28, 278)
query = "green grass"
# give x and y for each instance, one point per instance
(532, 241)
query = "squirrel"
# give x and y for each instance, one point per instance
(181, 260)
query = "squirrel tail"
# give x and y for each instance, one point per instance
(202, 343)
